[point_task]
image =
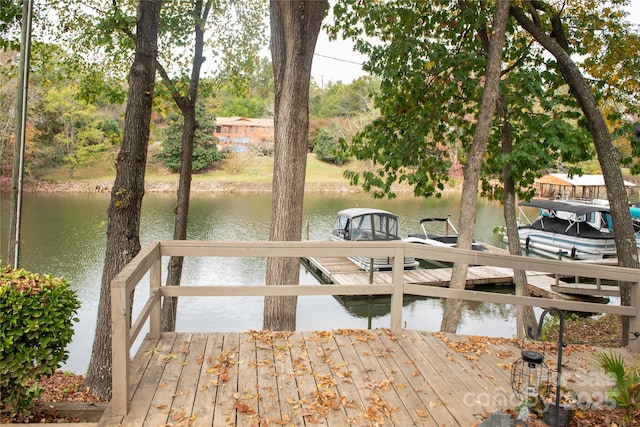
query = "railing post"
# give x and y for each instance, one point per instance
(120, 313)
(634, 322)
(155, 281)
(398, 291)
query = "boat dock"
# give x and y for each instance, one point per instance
(342, 271)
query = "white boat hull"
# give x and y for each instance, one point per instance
(559, 245)
(378, 263)
(569, 229)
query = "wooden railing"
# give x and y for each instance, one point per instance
(125, 330)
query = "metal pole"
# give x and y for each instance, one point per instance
(21, 124)
(561, 344)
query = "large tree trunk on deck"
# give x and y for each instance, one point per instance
(295, 26)
(453, 306)
(123, 228)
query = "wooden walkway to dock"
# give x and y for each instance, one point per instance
(335, 378)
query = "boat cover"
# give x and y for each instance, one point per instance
(564, 227)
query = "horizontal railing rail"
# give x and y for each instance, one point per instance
(125, 329)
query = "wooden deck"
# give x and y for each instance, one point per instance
(335, 378)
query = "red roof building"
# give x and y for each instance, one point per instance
(238, 133)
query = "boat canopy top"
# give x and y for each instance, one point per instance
(552, 205)
(353, 212)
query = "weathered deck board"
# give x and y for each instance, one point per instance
(351, 375)
(288, 386)
(205, 392)
(150, 381)
(333, 378)
(431, 407)
(224, 366)
(417, 408)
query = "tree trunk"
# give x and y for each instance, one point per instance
(451, 315)
(181, 217)
(618, 202)
(525, 317)
(187, 107)
(123, 228)
(295, 26)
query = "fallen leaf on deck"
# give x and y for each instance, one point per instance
(244, 408)
(421, 413)
(168, 357)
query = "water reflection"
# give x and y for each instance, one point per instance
(64, 235)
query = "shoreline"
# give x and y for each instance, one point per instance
(104, 186)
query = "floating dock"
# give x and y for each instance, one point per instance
(342, 271)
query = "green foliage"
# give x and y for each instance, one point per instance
(69, 130)
(253, 97)
(327, 146)
(240, 106)
(431, 59)
(551, 326)
(36, 324)
(10, 16)
(626, 391)
(205, 149)
(345, 100)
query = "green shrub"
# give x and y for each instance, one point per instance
(327, 147)
(36, 315)
(205, 145)
(626, 391)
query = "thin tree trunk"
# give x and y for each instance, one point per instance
(181, 217)
(187, 107)
(525, 317)
(607, 156)
(295, 26)
(123, 228)
(453, 306)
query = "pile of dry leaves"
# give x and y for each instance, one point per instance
(59, 387)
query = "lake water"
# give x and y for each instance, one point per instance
(64, 234)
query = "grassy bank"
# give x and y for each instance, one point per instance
(255, 169)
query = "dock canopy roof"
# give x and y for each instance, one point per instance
(552, 205)
(576, 181)
(561, 185)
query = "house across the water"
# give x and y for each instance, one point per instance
(239, 133)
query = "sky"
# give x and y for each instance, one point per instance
(336, 61)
